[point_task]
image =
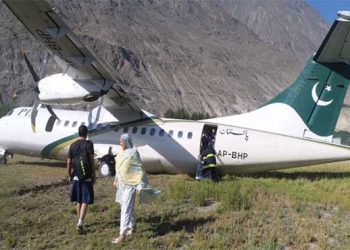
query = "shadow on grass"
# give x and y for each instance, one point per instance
(312, 176)
(55, 164)
(162, 227)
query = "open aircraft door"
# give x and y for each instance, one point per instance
(208, 135)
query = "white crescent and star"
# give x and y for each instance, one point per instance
(319, 102)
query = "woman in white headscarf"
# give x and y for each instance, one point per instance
(129, 178)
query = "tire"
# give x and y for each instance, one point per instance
(104, 170)
(3, 159)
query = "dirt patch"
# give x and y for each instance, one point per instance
(43, 187)
(210, 205)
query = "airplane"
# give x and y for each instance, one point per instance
(295, 128)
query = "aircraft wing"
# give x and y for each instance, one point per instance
(74, 58)
(336, 46)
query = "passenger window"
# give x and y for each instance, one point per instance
(74, 124)
(143, 130)
(58, 123)
(180, 134)
(161, 132)
(66, 123)
(189, 135)
(153, 131)
(125, 130)
(83, 123)
(171, 132)
(134, 130)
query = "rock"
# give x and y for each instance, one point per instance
(221, 57)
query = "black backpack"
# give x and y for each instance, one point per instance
(81, 163)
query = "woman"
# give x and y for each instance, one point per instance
(129, 178)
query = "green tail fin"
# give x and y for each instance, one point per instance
(317, 95)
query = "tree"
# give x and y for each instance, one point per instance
(5, 108)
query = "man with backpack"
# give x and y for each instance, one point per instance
(81, 173)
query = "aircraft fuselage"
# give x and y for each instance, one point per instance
(165, 145)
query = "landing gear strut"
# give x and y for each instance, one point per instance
(4, 155)
(3, 159)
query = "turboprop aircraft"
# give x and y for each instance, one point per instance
(295, 128)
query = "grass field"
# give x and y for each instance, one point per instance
(303, 208)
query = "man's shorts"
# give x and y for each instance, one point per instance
(82, 192)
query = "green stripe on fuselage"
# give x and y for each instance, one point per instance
(56, 146)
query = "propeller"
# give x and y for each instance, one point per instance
(36, 79)
(97, 115)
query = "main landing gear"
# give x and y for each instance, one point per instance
(106, 165)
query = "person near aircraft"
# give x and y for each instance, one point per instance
(82, 191)
(204, 141)
(129, 178)
(212, 135)
(209, 162)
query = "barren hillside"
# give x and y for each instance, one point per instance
(222, 57)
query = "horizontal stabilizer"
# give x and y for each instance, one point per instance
(335, 48)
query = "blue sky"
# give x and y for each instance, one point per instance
(329, 8)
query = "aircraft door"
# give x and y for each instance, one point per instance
(208, 135)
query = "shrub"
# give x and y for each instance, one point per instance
(4, 109)
(181, 113)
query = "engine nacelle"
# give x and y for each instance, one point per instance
(61, 89)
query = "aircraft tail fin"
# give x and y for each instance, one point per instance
(310, 107)
(318, 93)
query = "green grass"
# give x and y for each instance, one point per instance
(301, 208)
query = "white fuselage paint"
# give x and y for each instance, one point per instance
(239, 149)
(276, 117)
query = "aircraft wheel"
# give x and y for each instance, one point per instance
(3, 159)
(104, 170)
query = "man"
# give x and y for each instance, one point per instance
(81, 173)
(209, 163)
(212, 135)
(204, 141)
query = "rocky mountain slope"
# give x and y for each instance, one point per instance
(222, 57)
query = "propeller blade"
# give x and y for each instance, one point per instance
(44, 66)
(34, 114)
(51, 112)
(31, 69)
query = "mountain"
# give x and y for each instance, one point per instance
(222, 57)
